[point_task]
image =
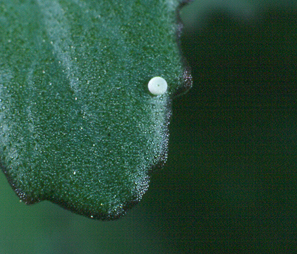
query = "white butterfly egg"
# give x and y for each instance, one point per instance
(157, 86)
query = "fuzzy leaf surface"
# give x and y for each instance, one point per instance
(78, 126)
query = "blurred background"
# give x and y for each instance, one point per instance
(230, 182)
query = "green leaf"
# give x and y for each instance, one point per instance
(78, 125)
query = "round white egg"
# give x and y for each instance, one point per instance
(157, 86)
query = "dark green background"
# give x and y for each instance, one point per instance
(230, 183)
